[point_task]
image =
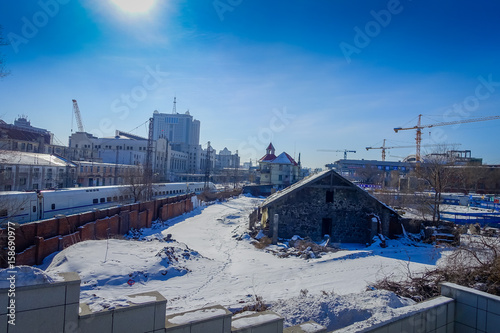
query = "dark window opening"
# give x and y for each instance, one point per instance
(108, 199)
(34, 209)
(95, 201)
(103, 200)
(329, 196)
(53, 206)
(3, 212)
(326, 226)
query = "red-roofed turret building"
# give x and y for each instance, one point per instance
(278, 170)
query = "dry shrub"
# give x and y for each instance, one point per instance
(475, 264)
(263, 242)
(257, 306)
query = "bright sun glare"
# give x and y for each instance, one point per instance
(134, 6)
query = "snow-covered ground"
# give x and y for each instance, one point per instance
(209, 259)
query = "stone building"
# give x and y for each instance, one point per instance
(328, 204)
(24, 171)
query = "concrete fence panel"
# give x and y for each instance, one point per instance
(27, 257)
(87, 232)
(214, 319)
(475, 311)
(25, 236)
(142, 219)
(124, 222)
(87, 217)
(114, 225)
(68, 240)
(45, 247)
(102, 229)
(133, 219)
(47, 228)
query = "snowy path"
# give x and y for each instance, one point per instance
(227, 271)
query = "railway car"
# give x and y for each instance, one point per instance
(25, 207)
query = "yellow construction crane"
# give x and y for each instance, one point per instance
(384, 148)
(345, 151)
(419, 128)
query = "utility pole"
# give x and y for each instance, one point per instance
(207, 167)
(148, 172)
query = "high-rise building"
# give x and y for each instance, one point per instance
(176, 128)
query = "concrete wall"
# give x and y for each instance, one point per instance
(43, 308)
(432, 316)
(55, 307)
(475, 311)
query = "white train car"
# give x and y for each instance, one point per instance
(25, 207)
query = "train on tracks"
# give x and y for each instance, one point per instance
(22, 207)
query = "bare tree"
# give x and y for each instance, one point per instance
(369, 175)
(135, 187)
(438, 175)
(3, 71)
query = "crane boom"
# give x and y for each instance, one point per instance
(419, 128)
(446, 123)
(384, 148)
(345, 151)
(78, 116)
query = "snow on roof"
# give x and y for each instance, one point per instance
(23, 158)
(280, 194)
(284, 158)
(301, 183)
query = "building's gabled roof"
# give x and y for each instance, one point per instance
(267, 158)
(310, 180)
(294, 187)
(270, 147)
(284, 158)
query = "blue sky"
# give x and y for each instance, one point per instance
(307, 75)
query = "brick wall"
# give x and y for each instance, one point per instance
(35, 241)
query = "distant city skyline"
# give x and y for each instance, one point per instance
(304, 75)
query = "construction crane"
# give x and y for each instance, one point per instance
(345, 151)
(384, 148)
(419, 128)
(78, 116)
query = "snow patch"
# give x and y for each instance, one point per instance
(253, 320)
(198, 315)
(26, 276)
